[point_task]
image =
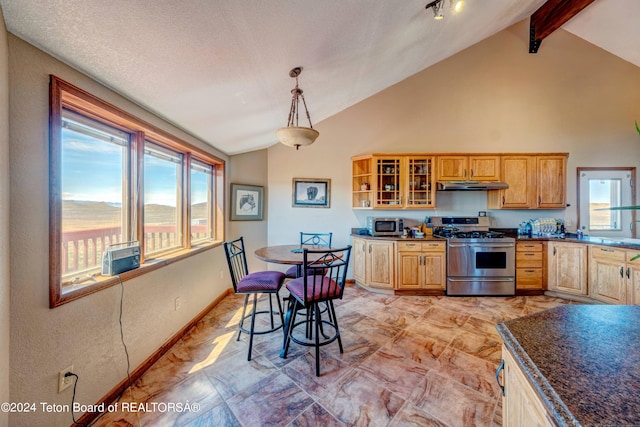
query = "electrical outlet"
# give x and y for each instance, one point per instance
(177, 303)
(568, 222)
(65, 382)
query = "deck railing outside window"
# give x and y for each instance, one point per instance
(82, 249)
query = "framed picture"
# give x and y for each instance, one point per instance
(246, 202)
(311, 193)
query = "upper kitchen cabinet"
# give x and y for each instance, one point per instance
(420, 191)
(469, 167)
(535, 182)
(362, 181)
(552, 182)
(393, 181)
(520, 173)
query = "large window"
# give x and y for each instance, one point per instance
(94, 160)
(162, 205)
(201, 206)
(115, 179)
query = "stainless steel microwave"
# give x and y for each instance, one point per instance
(385, 226)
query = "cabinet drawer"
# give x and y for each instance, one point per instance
(433, 247)
(422, 246)
(528, 259)
(529, 246)
(529, 278)
(607, 253)
(410, 246)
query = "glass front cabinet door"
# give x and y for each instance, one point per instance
(388, 190)
(419, 188)
(393, 182)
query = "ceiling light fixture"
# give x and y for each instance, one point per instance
(438, 5)
(294, 135)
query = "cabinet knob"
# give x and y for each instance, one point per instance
(628, 272)
(621, 271)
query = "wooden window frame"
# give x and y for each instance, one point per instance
(65, 95)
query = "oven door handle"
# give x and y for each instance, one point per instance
(482, 279)
(482, 245)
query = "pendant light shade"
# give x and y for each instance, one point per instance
(292, 134)
(297, 136)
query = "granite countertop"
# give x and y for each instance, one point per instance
(619, 243)
(583, 360)
(426, 238)
(569, 237)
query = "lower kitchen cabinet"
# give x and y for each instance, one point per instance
(421, 265)
(607, 280)
(529, 266)
(521, 405)
(567, 267)
(633, 278)
(373, 262)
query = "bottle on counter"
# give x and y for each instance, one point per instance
(528, 230)
(580, 234)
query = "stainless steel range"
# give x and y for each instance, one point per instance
(479, 261)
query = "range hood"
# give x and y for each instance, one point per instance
(470, 185)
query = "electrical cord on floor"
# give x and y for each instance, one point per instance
(73, 398)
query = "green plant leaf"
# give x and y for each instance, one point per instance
(635, 257)
(637, 128)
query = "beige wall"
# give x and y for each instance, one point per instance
(4, 219)
(84, 333)
(251, 169)
(492, 97)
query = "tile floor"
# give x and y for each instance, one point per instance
(408, 360)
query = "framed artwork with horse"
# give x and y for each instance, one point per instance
(311, 193)
(246, 202)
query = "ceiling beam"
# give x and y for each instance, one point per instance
(551, 16)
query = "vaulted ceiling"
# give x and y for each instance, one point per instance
(219, 69)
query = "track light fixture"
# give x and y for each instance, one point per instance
(438, 7)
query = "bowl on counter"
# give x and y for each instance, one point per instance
(418, 234)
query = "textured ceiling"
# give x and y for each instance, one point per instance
(219, 69)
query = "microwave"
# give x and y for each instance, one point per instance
(385, 226)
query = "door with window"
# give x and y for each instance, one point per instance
(599, 190)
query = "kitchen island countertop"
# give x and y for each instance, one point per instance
(583, 361)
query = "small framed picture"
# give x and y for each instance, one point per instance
(311, 193)
(246, 202)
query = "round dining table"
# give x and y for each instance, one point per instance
(283, 254)
(287, 254)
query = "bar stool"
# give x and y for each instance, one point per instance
(260, 282)
(313, 239)
(323, 279)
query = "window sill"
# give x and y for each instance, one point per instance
(74, 292)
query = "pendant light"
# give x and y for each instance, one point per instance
(294, 135)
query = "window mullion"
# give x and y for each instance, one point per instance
(186, 201)
(137, 211)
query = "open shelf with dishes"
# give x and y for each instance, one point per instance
(362, 182)
(393, 182)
